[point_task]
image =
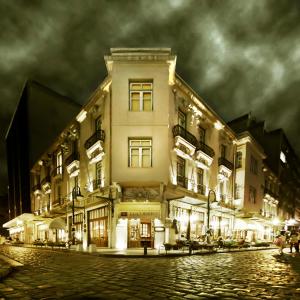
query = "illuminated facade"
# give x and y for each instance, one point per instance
(137, 164)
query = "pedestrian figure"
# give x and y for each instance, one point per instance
(280, 242)
(220, 242)
(294, 241)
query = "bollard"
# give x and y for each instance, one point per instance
(145, 249)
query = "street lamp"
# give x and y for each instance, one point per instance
(75, 195)
(210, 199)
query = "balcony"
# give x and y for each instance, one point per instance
(182, 181)
(46, 184)
(37, 189)
(185, 142)
(269, 193)
(72, 163)
(94, 146)
(96, 184)
(204, 155)
(225, 168)
(201, 189)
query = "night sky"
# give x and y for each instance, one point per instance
(240, 56)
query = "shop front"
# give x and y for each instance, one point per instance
(187, 221)
(98, 226)
(253, 230)
(76, 228)
(136, 225)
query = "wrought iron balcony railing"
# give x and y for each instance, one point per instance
(182, 181)
(223, 161)
(206, 149)
(71, 158)
(45, 180)
(36, 187)
(99, 135)
(271, 193)
(96, 184)
(180, 131)
(201, 189)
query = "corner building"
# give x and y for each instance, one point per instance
(138, 163)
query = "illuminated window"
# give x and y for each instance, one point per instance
(252, 194)
(140, 153)
(238, 159)
(59, 163)
(145, 230)
(253, 165)
(140, 96)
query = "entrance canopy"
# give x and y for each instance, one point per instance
(58, 223)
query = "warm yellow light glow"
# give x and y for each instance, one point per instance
(218, 125)
(291, 222)
(81, 116)
(19, 222)
(275, 221)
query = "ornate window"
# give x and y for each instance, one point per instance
(140, 153)
(141, 96)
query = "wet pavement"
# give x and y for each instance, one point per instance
(48, 274)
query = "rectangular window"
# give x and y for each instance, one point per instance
(253, 165)
(181, 171)
(97, 182)
(145, 230)
(98, 123)
(252, 194)
(223, 151)
(140, 153)
(59, 163)
(201, 187)
(238, 159)
(182, 119)
(140, 96)
(202, 135)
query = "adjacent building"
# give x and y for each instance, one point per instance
(40, 116)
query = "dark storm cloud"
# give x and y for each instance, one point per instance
(239, 56)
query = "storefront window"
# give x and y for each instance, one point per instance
(98, 221)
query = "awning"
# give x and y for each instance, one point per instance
(58, 223)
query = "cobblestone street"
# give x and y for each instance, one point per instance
(48, 274)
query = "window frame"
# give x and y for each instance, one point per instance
(252, 192)
(223, 151)
(181, 116)
(140, 151)
(238, 160)
(59, 162)
(253, 165)
(141, 93)
(181, 162)
(202, 134)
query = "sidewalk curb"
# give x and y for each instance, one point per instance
(161, 255)
(8, 266)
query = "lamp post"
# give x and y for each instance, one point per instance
(75, 194)
(211, 195)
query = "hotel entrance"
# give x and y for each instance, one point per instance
(140, 233)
